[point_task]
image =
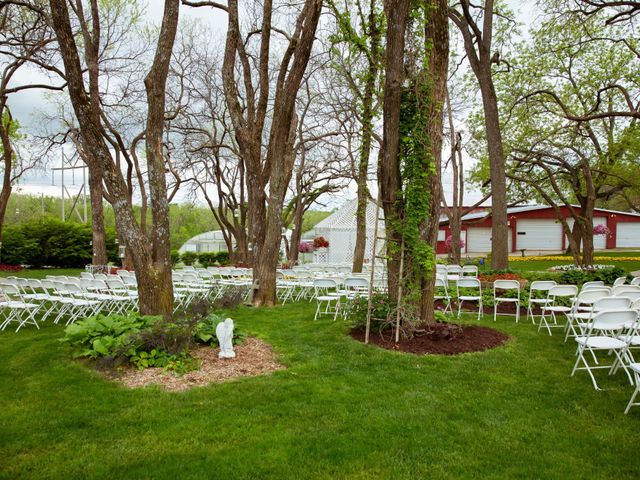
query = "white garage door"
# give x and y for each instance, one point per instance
(539, 235)
(599, 241)
(479, 240)
(628, 235)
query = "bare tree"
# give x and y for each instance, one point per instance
(481, 57)
(24, 38)
(151, 262)
(268, 163)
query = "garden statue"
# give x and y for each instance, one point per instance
(224, 332)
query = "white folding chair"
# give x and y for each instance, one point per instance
(557, 297)
(471, 285)
(538, 295)
(501, 287)
(599, 336)
(326, 295)
(619, 281)
(442, 292)
(635, 281)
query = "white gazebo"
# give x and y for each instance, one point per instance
(339, 229)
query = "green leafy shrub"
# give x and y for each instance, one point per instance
(207, 259)
(175, 257)
(52, 243)
(106, 336)
(222, 258)
(189, 258)
(578, 276)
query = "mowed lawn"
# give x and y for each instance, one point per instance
(340, 410)
(532, 264)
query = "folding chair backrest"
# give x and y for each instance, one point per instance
(471, 270)
(356, 282)
(635, 281)
(130, 281)
(563, 291)
(541, 285)
(597, 283)
(177, 277)
(86, 275)
(344, 270)
(613, 319)
(588, 297)
(620, 290)
(86, 283)
(324, 283)
(440, 282)
(468, 282)
(9, 281)
(441, 268)
(123, 273)
(620, 281)
(99, 284)
(115, 284)
(10, 290)
(189, 277)
(633, 296)
(596, 287)
(611, 303)
(506, 285)
(635, 305)
(454, 270)
(99, 276)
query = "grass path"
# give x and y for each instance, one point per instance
(340, 410)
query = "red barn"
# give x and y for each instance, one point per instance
(537, 229)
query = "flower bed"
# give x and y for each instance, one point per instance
(560, 258)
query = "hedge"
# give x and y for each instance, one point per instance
(52, 243)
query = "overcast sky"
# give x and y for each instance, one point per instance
(27, 106)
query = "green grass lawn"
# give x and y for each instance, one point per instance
(42, 272)
(340, 410)
(541, 265)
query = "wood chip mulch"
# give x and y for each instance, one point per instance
(254, 357)
(473, 338)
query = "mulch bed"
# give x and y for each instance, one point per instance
(472, 338)
(253, 357)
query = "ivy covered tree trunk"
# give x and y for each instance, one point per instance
(437, 43)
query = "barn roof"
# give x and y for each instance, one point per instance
(530, 208)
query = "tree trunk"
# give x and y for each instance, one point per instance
(97, 218)
(499, 229)
(155, 83)
(389, 179)
(7, 158)
(296, 233)
(368, 100)
(437, 41)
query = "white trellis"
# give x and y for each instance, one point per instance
(339, 229)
